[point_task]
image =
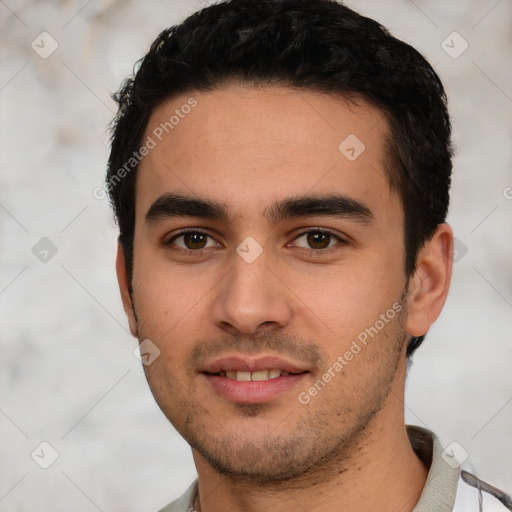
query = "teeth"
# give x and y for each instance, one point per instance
(254, 376)
(243, 376)
(262, 375)
(272, 374)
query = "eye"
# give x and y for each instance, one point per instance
(192, 240)
(317, 240)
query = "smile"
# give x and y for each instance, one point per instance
(244, 376)
(250, 380)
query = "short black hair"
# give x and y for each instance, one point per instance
(314, 45)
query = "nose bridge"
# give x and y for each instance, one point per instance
(251, 295)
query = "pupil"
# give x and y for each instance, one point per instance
(195, 240)
(319, 240)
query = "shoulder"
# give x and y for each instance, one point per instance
(184, 502)
(474, 494)
(448, 488)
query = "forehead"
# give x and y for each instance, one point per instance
(247, 146)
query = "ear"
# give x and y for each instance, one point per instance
(428, 287)
(124, 287)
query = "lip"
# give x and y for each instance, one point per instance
(253, 392)
(252, 364)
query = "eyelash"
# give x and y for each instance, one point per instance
(315, 252)
(183, 232)
(320, 252)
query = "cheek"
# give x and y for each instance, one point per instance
(170, 303)
(345, 299)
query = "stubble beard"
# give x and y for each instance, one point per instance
(319, 446)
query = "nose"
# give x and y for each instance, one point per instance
(251, 298)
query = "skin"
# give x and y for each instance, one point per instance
(248, 148)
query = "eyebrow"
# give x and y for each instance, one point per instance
(170, 206)
(333, 205)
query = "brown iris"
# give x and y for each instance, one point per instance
(194, 240)
(318, 240)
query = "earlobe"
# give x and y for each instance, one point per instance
(124, 288)
(428, 287)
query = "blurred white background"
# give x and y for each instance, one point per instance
(68, 374)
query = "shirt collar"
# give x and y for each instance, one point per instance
(441, 486)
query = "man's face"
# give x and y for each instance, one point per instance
(293, 248)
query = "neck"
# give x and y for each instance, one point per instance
(382, 472)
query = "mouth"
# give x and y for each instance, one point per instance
(259, 376)
(257, 380)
